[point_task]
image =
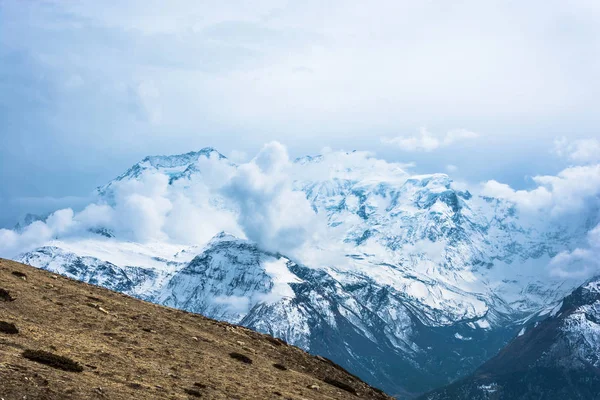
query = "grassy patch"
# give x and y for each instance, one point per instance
(52, 360)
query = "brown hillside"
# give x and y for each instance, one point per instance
(78, 341)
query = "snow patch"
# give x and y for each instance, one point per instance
(461, 337)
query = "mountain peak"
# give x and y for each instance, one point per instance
(223, 237)
(177, 160)
(308, 159)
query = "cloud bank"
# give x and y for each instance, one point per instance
(572, 195)
(253, 200)
(567, 192)
(427, 142)
(260, 200)
(580, 263)
(582, 151)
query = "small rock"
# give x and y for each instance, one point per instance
(20, 275)
(5, 295)
(313, 387)
(193, 392)
(280, 367)
(8, 328)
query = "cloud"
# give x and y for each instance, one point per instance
(145, 101)
(147, 77)
(536, 199)
(566, 193)
(146, 209)
(234, 304)
(451, 168)
(271, 213)
(238, 156)
(427, 142)
(348, 165)
(581, 262)
(255, 200)
(582, 151)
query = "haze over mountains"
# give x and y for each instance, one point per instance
(409, 281)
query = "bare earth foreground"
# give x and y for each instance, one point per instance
(125, 348)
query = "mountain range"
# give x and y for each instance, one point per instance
(409, 281)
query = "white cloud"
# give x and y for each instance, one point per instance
(144, 210)
(535, 200)
(451, 168)
(234, 304)
(96, 216)
(238, 156)
(12, 243)
(271, 212)
(581, 262)
(567, 192)
(254, 200)
(61, 221)
(146, 101)
(185, 62)
(425, 141)
(582, 151)
(333, 165)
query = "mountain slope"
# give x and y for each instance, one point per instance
(558, 358)
(369, 328)
(128, 348)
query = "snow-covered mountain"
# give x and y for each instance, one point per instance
(557, 358)
(408, 281)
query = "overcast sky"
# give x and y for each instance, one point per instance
(483, 90)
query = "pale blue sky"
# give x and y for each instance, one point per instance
(87, 88)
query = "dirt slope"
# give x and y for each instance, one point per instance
(130, 349)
